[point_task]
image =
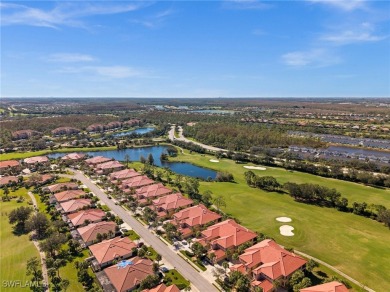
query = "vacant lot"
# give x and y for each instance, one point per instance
(356, 245)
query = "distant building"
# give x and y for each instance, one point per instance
(92, 162)
(108, 167)
(8, 180)
(327, 287)
(73, 157)
(25, 134)
(65, 131)
(135, 182)
(9, 166)
(166, 206)
(118, 176)
(60, 187)
(36, 160)
(151, 192)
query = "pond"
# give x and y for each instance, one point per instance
(183, 168)
(139, 131)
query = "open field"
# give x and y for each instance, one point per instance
(14, 250)
(356, 245)
(69, 272)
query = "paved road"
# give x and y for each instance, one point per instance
(198, 281)
(41, 254)
(172, 137)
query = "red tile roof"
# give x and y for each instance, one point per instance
(152, 191)
(163, 288)
(73, 156)
(123, 174)
(62, 186)
(36, 159)
(272, 260)
(74, 205)
(109, 165)
(228, 234)
(9, 163)
(136, 182)
(327, 287)
(97, 160)
(111, 249)
(171, 202)
(128, 277)
(7, 179)
(68, 195)
(265, 284)
(88, 233)
(196, 215)
(93, 215)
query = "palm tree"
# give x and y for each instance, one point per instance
(127, 160)
(219, 202)
(225, 265)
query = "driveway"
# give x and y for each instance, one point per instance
(197, 281)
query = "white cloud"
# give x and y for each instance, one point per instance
(156, 20)
(346, 5)
(63, 14)
(114, 72)
(310, 58)
(70, 58)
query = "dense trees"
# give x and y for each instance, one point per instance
(39, 224)
(268, 183)
(224, 177)
(20, 216)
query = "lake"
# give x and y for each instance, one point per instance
(183, 168)
(139, 131)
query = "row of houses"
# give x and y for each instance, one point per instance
(112, 125)
(112, 256)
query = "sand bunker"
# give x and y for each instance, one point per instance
(284, 219)
(286, 230)
(214, 160)
(254, 167)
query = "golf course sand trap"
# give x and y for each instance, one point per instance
(286, 230)
(283, 219)
(213, 160)
(254, 167)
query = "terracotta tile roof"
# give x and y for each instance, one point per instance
(152, 191)
(196, 215)
(7, 179)
(68, 195)
(228, 234)
(265, 284)
(136, 182)
(131, 275)
(74, 205)
(109, 165)
(93, 215)
(171, 202)
(45, 178)
(163, 288)
(123, 174)
(97, 160)
(62, 186)
(36, 159)
(327, 287)
(73, 156)
(9, 163)
(88, 233)
(274, 260)
(111, 249)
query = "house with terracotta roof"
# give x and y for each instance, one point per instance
(65, 131)
(167, 205)
(95, 128)
(192, 218)
(118, 176)
(45, 178)
(73, 157)
(36, 160)
(135, 182)
(9, 166)
(86, 216)
(92, 162)
(24, 134)
(108, 167)
(327, 287)
(128, 275)
(89, 234)
(107, 251)
(163, 288)
(60, 187)
(224, 236)
(8, 180)
(150, 192)
(68, 195)
(267, 262)
(73, 206)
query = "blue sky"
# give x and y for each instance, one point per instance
(248, 48)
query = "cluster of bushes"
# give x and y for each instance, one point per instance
(190, 146)
(224, 177)
(320, 196)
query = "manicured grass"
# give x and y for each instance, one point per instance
(199, 265)
(356, 245)
(174, 277)
(15, 250)
(69, 272)
(133, 235)
(151, 253)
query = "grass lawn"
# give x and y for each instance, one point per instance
(133, 235)
(174, 277)
(15, 250)
(356, 245)
(151, 253)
